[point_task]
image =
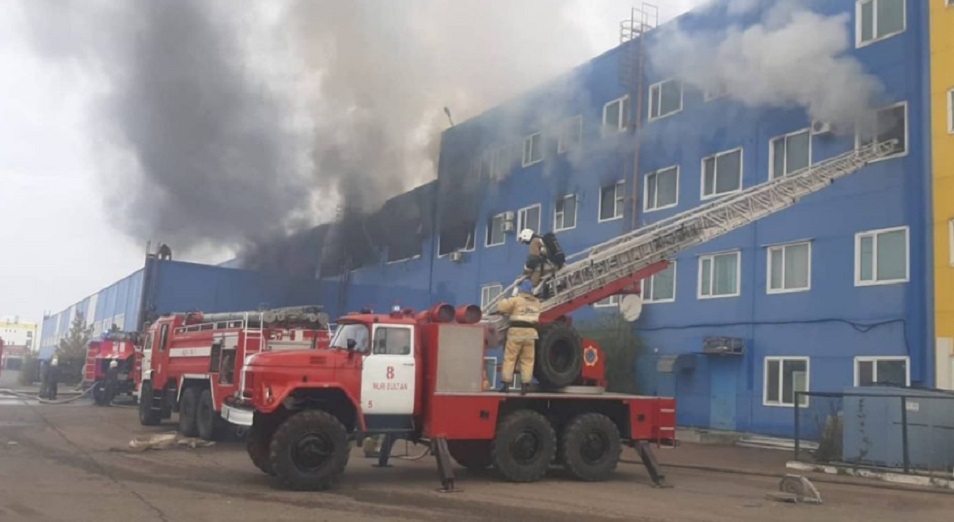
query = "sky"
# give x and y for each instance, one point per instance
(71, 221)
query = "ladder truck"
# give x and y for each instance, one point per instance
(419, 376)
(190, 360)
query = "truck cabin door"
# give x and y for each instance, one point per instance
(146, 364)
(388, 379)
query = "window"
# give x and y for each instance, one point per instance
(532, 149)
(495, 232)
(878, 19)
(722, 173)
(888, 123)
(789, 268)
(885, 371)
(612, 300)
(881, 256)
(783, 377)
(611, 201)
(529, 217)
(488, 293)
(665, 98)
(661, 189)
(661, 286)
(719, 275)
(392, 340)
(950, 106)
(571, 133)
(564, 215)
(790, 153)
(163, 335)
(616, 114)
(500, 163)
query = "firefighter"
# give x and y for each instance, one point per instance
(53, 375)
(112, 381)
(523, 309)
(536, 257)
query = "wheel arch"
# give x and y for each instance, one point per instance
(336, 401)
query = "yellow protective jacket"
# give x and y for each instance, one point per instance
(524, 310)
(537, 248)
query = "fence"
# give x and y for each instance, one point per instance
(901, 429)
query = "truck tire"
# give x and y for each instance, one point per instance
(559, 355)
(211, 425)
(590, 447)
(471, 454)
(257, 442)
(188, 404)
(309, 451)
(147, 415)
(524, 446)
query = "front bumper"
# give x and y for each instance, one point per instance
(237, 415)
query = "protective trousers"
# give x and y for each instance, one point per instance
(519, 350)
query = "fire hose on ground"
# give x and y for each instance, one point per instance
(28, 396)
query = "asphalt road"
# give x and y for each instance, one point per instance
(71, 463)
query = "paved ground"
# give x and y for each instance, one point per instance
(58, 462)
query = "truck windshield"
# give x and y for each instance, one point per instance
(358, 332)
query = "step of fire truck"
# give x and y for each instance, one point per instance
(621, 257)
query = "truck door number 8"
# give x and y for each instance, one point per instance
(390, 372)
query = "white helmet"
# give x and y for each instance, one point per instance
(113, 363)
(525, 235)
(55, 361)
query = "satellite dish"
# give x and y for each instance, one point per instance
(631, 306)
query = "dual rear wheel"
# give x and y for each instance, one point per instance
(197, 415)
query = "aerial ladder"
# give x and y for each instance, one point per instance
(617, 265)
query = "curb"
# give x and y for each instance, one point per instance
(884, 476)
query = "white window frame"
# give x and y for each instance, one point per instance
(576, 213)
(655, 96)
(528, 149)
(768, 268)
(784, 137)
(487, 243)
(485, 290)
(472, 248)
(781, 380)
(646, 195)
(648, 299)
(950, 99)
(874, 360)
(738, 274)
(575, 123)
(715, 157)
(619, 201)
(874, 260)
(521, 218)
(609, 302)
(624, 114)
(907, 132)
(874, 21)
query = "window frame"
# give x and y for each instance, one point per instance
(520, 217)
(715, 157)
(577, 123)
(874, 266)
(619, 202)
(487, 287)
(576, 212)
(648, 299)
(768, 268)
(528, 141)
(781, 380)
(623, 121)
(874, 360)
(656, 172)
(608, 302)
(874, 21)
(738, 274)
(656, 97)
(784, 137)
(487, 243)
(907, 131)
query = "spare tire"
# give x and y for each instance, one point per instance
(559, 355)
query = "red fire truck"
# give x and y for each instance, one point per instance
(190, 360)
(419, 377)
(122, 347)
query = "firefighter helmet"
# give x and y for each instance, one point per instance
(113, 363)
(525, 235)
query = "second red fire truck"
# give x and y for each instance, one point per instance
(191, 361)
(125, 350)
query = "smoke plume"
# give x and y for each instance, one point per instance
(791, 57)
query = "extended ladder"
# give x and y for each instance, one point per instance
(623, 256)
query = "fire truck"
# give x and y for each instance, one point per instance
(420, 377)
(122, 347)
(191, 360)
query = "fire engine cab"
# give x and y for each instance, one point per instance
(191, 360)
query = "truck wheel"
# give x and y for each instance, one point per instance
(472, 454)
(590, 447)
(309, 451)
(524, 446)
(147, 415)
(211, 425)
(256, 443)
(559, 356)
(187, 409)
